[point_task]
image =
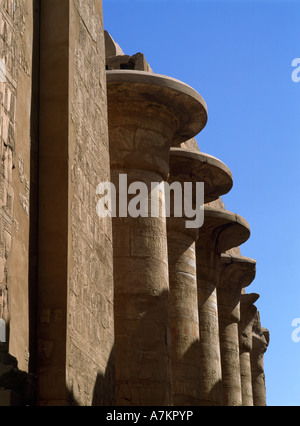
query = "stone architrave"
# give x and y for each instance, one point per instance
(117, 60)
(237, 272)
(260, 340)
(111, 47)
(221, 231)
(248, 311)
(188, 166)
(147, 114)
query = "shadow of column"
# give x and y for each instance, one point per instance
(104, 388)
(216, 389)
(18, 384)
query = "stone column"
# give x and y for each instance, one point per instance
(237, 272)
(147, 113)
(248, 311)
(188, 166)
(221, 231)
(260, 340)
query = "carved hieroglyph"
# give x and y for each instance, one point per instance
(17, 139)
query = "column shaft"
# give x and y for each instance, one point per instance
(246, 379)
(184, 318)
(248, 311)
(260, 340)
(229, 341)
(147, 114)
(210, 357)
(194, 167)
(143, 371)
(259, 388)
(237, 272)
(221, 231)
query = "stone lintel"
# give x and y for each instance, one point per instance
(225, 229)
(125, 62)
(190, 145)
(111, 47)
(190, 166)
(116, 59)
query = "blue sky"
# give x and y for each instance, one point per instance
(238, 55)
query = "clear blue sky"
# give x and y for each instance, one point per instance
(238, 56)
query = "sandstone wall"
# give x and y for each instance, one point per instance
(17, 114)
(91, 326)
(75, 329)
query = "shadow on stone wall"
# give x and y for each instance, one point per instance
(187, 392)
(186, 384)
(34, 179)
(17, 388)
(187, 388)
(104, 388)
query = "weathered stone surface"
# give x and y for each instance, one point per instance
(260, 343)
(184, 316)
(221, 231)
(53, 192)
(111, 47)
(75, 330)
(143, 371)
(188, 166)
(17, 388)
(247, 311)
(116, 59)
(178, 110)
(16, 142)
(134, 315)
(90, 361)
(154, 112)
(190, 145)
(236, 273)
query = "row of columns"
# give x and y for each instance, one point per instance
(180, 315)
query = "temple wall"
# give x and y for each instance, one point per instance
(91, 325)
(75, 247)
(17, 113)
